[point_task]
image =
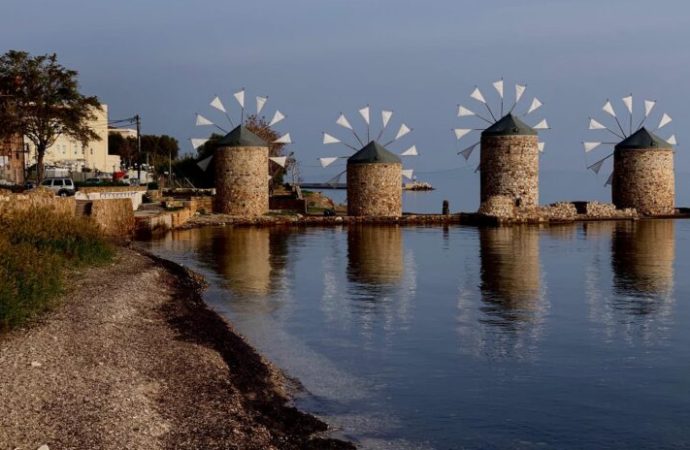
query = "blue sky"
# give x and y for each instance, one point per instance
(167, 59)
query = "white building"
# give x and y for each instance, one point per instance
(71, 154)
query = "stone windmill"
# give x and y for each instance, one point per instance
(374, 173)
(241, 161)
(509, 148)
(643, 175)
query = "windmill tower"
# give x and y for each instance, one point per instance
(643, 175)
(241, 161)
(374, 173)
(509, 148)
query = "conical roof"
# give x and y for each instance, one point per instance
(241, 137)
(373, 153)
(643, 139)
(509, 125)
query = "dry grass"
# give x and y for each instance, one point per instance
(37, 247)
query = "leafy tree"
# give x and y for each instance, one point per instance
(125, 147)
(40, 99)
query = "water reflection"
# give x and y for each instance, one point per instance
(642, 255)
(374, 255)
(510, 275)
(252, 261)
(512, 298)
(382, 278)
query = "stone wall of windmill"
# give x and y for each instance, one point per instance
(509, 162)
(644, 179)
(241, 180)
(374, 189)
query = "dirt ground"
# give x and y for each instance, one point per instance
(133, 359)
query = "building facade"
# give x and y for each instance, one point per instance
(12, 160)
(69, 153)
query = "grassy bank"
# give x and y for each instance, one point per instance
(37, 248)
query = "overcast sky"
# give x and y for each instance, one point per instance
(166, 59)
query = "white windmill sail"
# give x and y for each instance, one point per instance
(218, 104)
(197, 143)
(204, 163)
(201, 120)
(543, 125)
(477, 95)
(672, 140)
(386, 117)
(519, 90)
(460, 132)
(408, 173)
(239, 96)
(277, 117)
(466, 153)
(464, 112)
(343, 122)
(628, 101)
(412, 151)
(595, 125)
(648, 106)
(609, 180)
(536, 104)
(284, 139)
(364, 112)
(498, 85)
(540, 146)
(665, 120)
(260, 102)
(402, 131)
(325, 162)
(596, 167)
(280, 160)
(589, 146)
(328, 139)
(608, 108)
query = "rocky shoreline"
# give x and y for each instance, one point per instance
(133, 358)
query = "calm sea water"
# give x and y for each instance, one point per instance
(412, 338)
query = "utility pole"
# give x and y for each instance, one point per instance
(138, 119)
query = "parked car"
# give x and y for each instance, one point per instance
(61, 186)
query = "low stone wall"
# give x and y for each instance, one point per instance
(202, 204)
(92, 189)
(289, 204)
(501, 209)
(115, 217)
(39, 198)
(596, 209)
(135, 197)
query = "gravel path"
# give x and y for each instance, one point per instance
(133, 359)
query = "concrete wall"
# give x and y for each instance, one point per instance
(374, 190)
(645, 180)
(510, 167)
(241, 181)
